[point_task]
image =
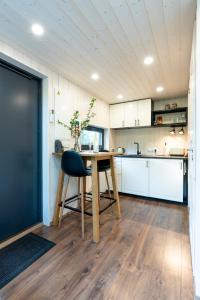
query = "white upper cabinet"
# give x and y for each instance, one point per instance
(144, 113)
(131, 114)
(117, 115)
(166, 179)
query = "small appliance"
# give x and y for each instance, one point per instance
(177, 151)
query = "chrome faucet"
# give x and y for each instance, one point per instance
(138, 148)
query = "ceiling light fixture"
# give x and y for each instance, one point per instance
(95, 76)
(159, 89)
(172, 131)
(120, 96)
(37, 29)
(148, 60)
(181, 131)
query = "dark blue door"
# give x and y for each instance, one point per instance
(20, 151)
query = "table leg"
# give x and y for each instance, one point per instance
(95, 201)
(58, 198)
(115, 191)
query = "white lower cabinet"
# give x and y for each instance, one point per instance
(118, 179)
(135, 176)
(166, 179)
(118, 171)
(157, 178)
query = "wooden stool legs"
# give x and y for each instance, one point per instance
(109, 192)
(58, 198)
(79, 202)
(82, 182)
(82, 207)
(108, 186)
(63, 202)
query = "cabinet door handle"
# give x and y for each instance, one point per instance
(184, 168)
(135, 123)
(138, 121)
(181, 165)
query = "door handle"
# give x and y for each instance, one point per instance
(135, 123)
(181, 165)
(138, 122)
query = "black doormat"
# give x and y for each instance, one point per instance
(19, 255)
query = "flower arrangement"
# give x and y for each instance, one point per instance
(76, 126)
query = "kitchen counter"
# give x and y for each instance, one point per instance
(160, 177)
(151, 156)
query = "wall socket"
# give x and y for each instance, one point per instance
(51, 116)
(152, 150)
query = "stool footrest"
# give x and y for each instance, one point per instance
(88, 198)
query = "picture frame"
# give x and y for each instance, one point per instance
(174, 105)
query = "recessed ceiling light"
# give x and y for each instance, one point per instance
(148, 60)
(120, 96)
(37, 29)
(159, 89)
(95, 76)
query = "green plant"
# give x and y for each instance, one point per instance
(75, 125)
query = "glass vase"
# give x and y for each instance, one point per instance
(76, 145)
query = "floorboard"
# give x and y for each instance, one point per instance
(143, 256)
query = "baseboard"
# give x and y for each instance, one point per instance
(65, 213)
(21, 234)
(153, 199)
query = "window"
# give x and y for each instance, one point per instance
(88, 136)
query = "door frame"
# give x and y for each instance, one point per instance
(45, 133)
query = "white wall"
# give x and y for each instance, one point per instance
(194, 158)
(71, 97)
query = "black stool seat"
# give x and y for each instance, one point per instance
(103, 165)
(72, 165)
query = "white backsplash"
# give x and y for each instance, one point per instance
(149, 139)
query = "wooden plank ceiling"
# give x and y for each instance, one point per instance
(110, 37)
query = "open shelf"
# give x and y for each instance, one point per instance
(168, 111)
(171, 125)
(165, 118)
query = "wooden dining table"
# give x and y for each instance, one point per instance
(93, 158)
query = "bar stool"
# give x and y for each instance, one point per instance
(73, 166)
(104, 166)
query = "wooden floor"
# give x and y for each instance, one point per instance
(145, 255)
